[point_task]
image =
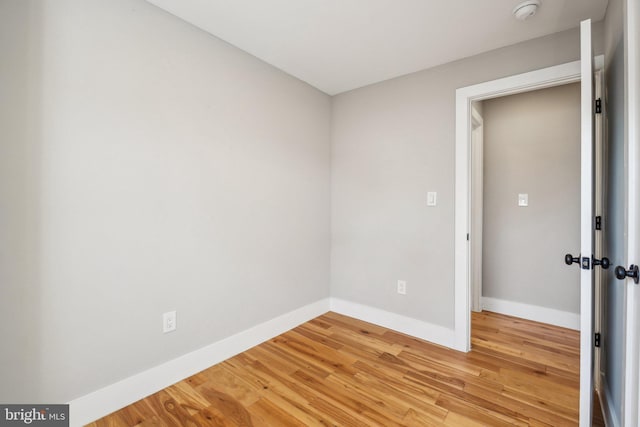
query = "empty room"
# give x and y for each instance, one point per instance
(274, 213)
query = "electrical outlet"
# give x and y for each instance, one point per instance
(169, 323)
(402, 287)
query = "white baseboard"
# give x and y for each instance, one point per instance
(407, 325)
(610, 418)
(536, 313)
(115, 396)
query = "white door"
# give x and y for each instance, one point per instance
(586, 225)
(632, 367)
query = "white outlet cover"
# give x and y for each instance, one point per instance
(169, 323)
(432, 198)
(523, 199)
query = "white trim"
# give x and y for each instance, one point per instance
(540, 79)
(115, 396)
(564, 319)
(407, 325)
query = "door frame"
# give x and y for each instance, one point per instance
(525, 82)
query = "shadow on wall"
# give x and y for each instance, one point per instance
(21, 302)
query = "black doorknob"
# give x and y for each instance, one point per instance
(570, 259)
(622, 273)
(604, 262)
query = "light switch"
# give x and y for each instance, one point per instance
(523, 200)
(432, 198)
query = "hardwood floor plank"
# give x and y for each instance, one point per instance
(339, 371)
(226, 407)
(134, 414)
(481, 414)
(540, 388)
(455, 419)
(169, 410)
(190, 399)
(318, 336)
(544, 409)
(321, 357)
(290, 395)
(397, 379)
(294, 360)
(339, 416)
(221, 378)
(273, 415)
(362, 408)
(211, 417)
(422, 408)
(414, 418)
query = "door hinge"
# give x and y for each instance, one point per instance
(598, 106)
(596, 339)
(597, 223)
(467, 236)
(586, 263)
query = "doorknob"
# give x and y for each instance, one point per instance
(570, 259)
(622, 273)
(604, 262)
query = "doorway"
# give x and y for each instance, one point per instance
(539, 79)
(525, 177)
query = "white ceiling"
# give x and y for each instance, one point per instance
(338, 45)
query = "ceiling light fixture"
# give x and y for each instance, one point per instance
(526, 9)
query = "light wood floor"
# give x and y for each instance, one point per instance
(335, 370)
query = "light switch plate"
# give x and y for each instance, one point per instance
(432, 198)
(402, 287)
(523, 200)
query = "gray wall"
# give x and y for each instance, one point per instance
(392, 143)
(614, 209)
(146, 166)
(532, 145)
